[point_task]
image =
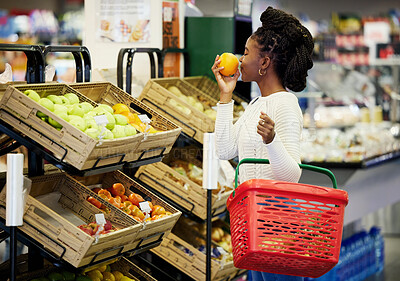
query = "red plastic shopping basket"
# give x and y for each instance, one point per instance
(286, 228)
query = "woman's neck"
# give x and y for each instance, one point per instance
(269, 87)
(270, 84)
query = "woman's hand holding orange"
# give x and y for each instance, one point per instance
(226, 84)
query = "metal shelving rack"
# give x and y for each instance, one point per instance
(37, 154)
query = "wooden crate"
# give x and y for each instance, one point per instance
(151, 146)
(191, 261)
(188, 194)
(210, 87)
(59, 233)
(194, 123)
(68, 144)
(122, 265)
(150, 231)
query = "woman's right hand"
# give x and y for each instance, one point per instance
(226, 84)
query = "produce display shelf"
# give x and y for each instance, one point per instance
(366, 163)
(35, 147)
(187, 213)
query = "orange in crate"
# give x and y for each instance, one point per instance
(286, 228)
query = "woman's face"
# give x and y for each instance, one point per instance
(250, 61)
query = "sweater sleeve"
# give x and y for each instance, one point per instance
(226, 133)
(284, 150)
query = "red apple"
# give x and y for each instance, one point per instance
(108, 225)
(86, 228)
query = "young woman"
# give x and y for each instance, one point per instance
(277, 57)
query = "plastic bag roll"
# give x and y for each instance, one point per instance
(14, 191)
(210, 162)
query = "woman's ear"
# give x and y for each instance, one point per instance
(265, 62)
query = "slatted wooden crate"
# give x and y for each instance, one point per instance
(56, 230)
(185, 192)
(210, 87)
(153, 144)
(150, 231)
(68, 144)
(190, 260)
(122, 265)
(193, 122)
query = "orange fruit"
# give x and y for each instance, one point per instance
(131, 116)
(230, 63)
(119, 108)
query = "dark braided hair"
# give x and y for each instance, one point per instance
(289, 45)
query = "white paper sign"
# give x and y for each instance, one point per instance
(101, 120)
(376, 32)
(100, 219)
(145, 207)
(144, 118)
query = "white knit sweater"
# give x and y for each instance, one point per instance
(241, 139)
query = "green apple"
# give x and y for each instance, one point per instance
(55, 276)
(76, 109)
(47, 104)
(68, 276)
(54, 123)
(42, 116)
(90, 122)
(120, 119)
(87, 107)
(73, 98)
(64, 100)
(92, 132)
(130, 130)
(111, 121)
(106, 134)
(55, 99)
(119, 131)
(60, 108)
(78, 122)
(106, 107)
(99, 109)
(62, 115)
(32, 94)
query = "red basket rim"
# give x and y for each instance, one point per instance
(267, 185)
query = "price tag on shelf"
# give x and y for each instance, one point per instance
(144, 118)
(145, 207)
(101, 120)
(100, 219)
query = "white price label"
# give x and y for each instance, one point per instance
(101, 120)
(144, 118)
(145, 207)
(221, 250)
(100, 219)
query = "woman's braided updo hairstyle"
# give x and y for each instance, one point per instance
(289, 45)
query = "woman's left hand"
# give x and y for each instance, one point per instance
(265, 128)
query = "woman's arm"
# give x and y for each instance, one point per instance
(284, 150)
(226, 132)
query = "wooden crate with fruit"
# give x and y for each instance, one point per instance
(187, 106)
(210, 87)
(59, 216)
(184, 248)
(120, 269)
(125, 195)
(41, 111)
(179, 177)
(161, 133)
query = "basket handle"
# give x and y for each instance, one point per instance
(303, 166)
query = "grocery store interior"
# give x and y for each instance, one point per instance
(130, 188)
